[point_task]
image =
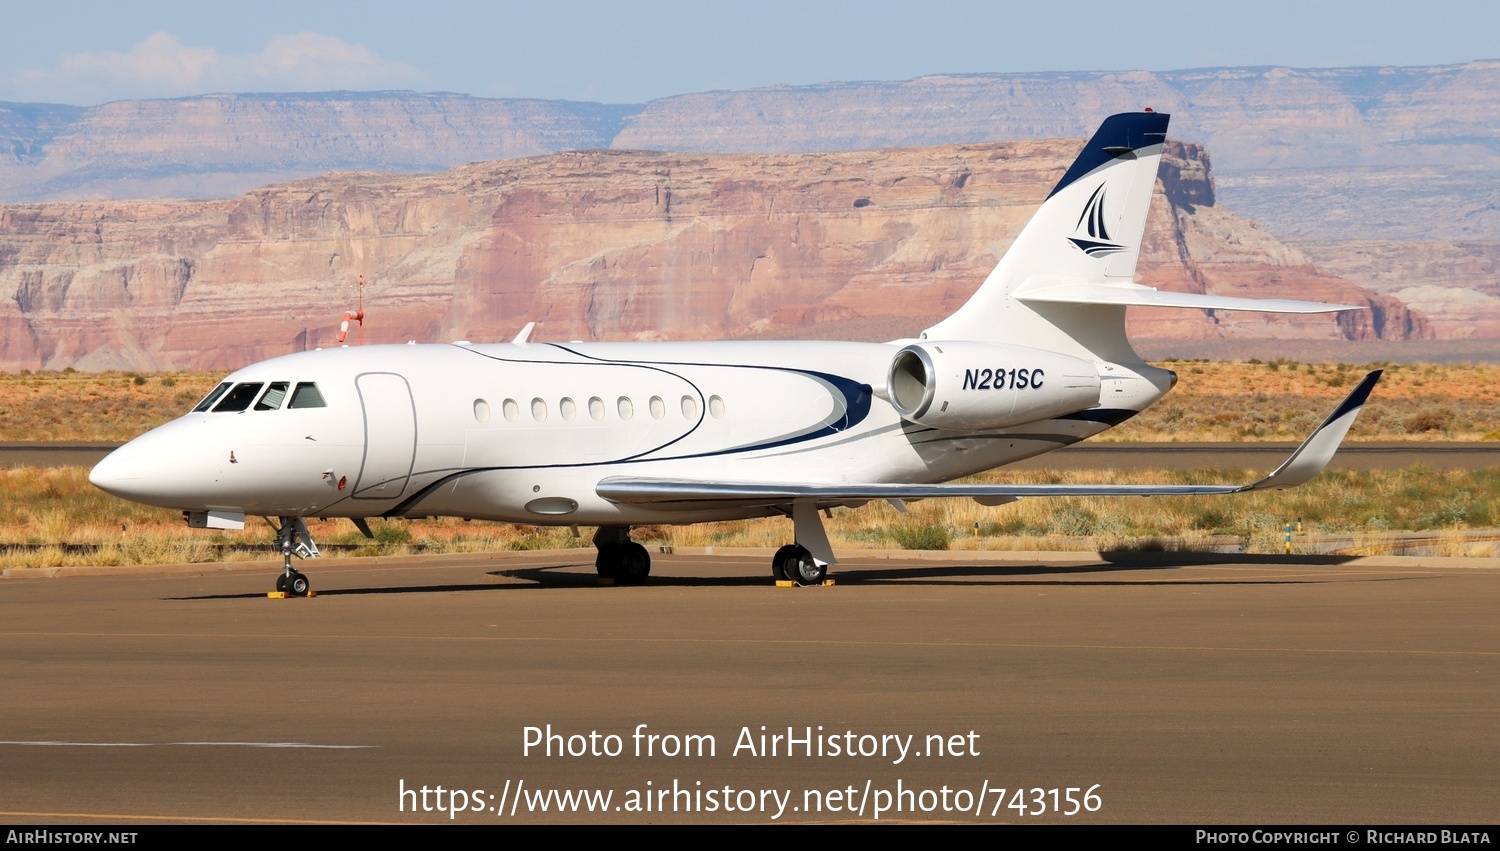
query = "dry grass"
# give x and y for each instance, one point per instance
(1212, 402)
(1278, 400)
(1285, 400)
(106, 407)
(60, 519)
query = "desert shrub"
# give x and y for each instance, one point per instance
(1012, 524)
(1075, 521)
(527, 542)
(1446, 513)
(1213, 518)
(392, 534)
(913, 535)
(651, 533)
(1436, 419)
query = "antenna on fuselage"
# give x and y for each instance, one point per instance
(357, 315)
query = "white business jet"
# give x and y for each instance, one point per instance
(621, 434)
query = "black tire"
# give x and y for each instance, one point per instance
(634, 563)
(298, 586)
(779, 563)
(803, 569)
(281, 583)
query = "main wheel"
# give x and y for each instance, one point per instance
(803, 569)
(780, 561)
(297, 585)
(634, 563)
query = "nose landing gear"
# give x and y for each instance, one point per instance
(294, 539)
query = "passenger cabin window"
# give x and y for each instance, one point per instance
(307, 396)
(239, 398)
(211, 398)
(273, 397)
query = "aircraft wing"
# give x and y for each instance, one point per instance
(688, 494)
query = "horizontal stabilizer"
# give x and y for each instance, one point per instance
(1139, 296)
(689, 494)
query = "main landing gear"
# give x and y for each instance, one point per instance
(293, 537)
(793, 563)
(805, 562)
(620, 558)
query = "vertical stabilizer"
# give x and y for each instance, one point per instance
(1088, 231)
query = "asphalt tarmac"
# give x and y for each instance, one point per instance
(1198, 689)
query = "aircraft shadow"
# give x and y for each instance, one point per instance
(1148, 568)
(975, 575)
(342, 592)
(1023, 575)
(1144, 558)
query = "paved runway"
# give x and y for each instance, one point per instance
(1269, 691)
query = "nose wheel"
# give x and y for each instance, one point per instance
(294, 539)
(293, 582)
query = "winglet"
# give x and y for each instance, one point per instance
(1317, 450)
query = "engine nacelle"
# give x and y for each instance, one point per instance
(968, 386)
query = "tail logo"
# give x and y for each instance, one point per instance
(1091, 223)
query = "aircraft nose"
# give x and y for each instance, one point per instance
(120, 473)
(150, 469)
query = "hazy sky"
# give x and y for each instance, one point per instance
(629, 51)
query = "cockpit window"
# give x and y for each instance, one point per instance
(239, 398)
(307, 396)
(272, 398)
(211, 398)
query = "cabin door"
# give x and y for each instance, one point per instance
(390, 435)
